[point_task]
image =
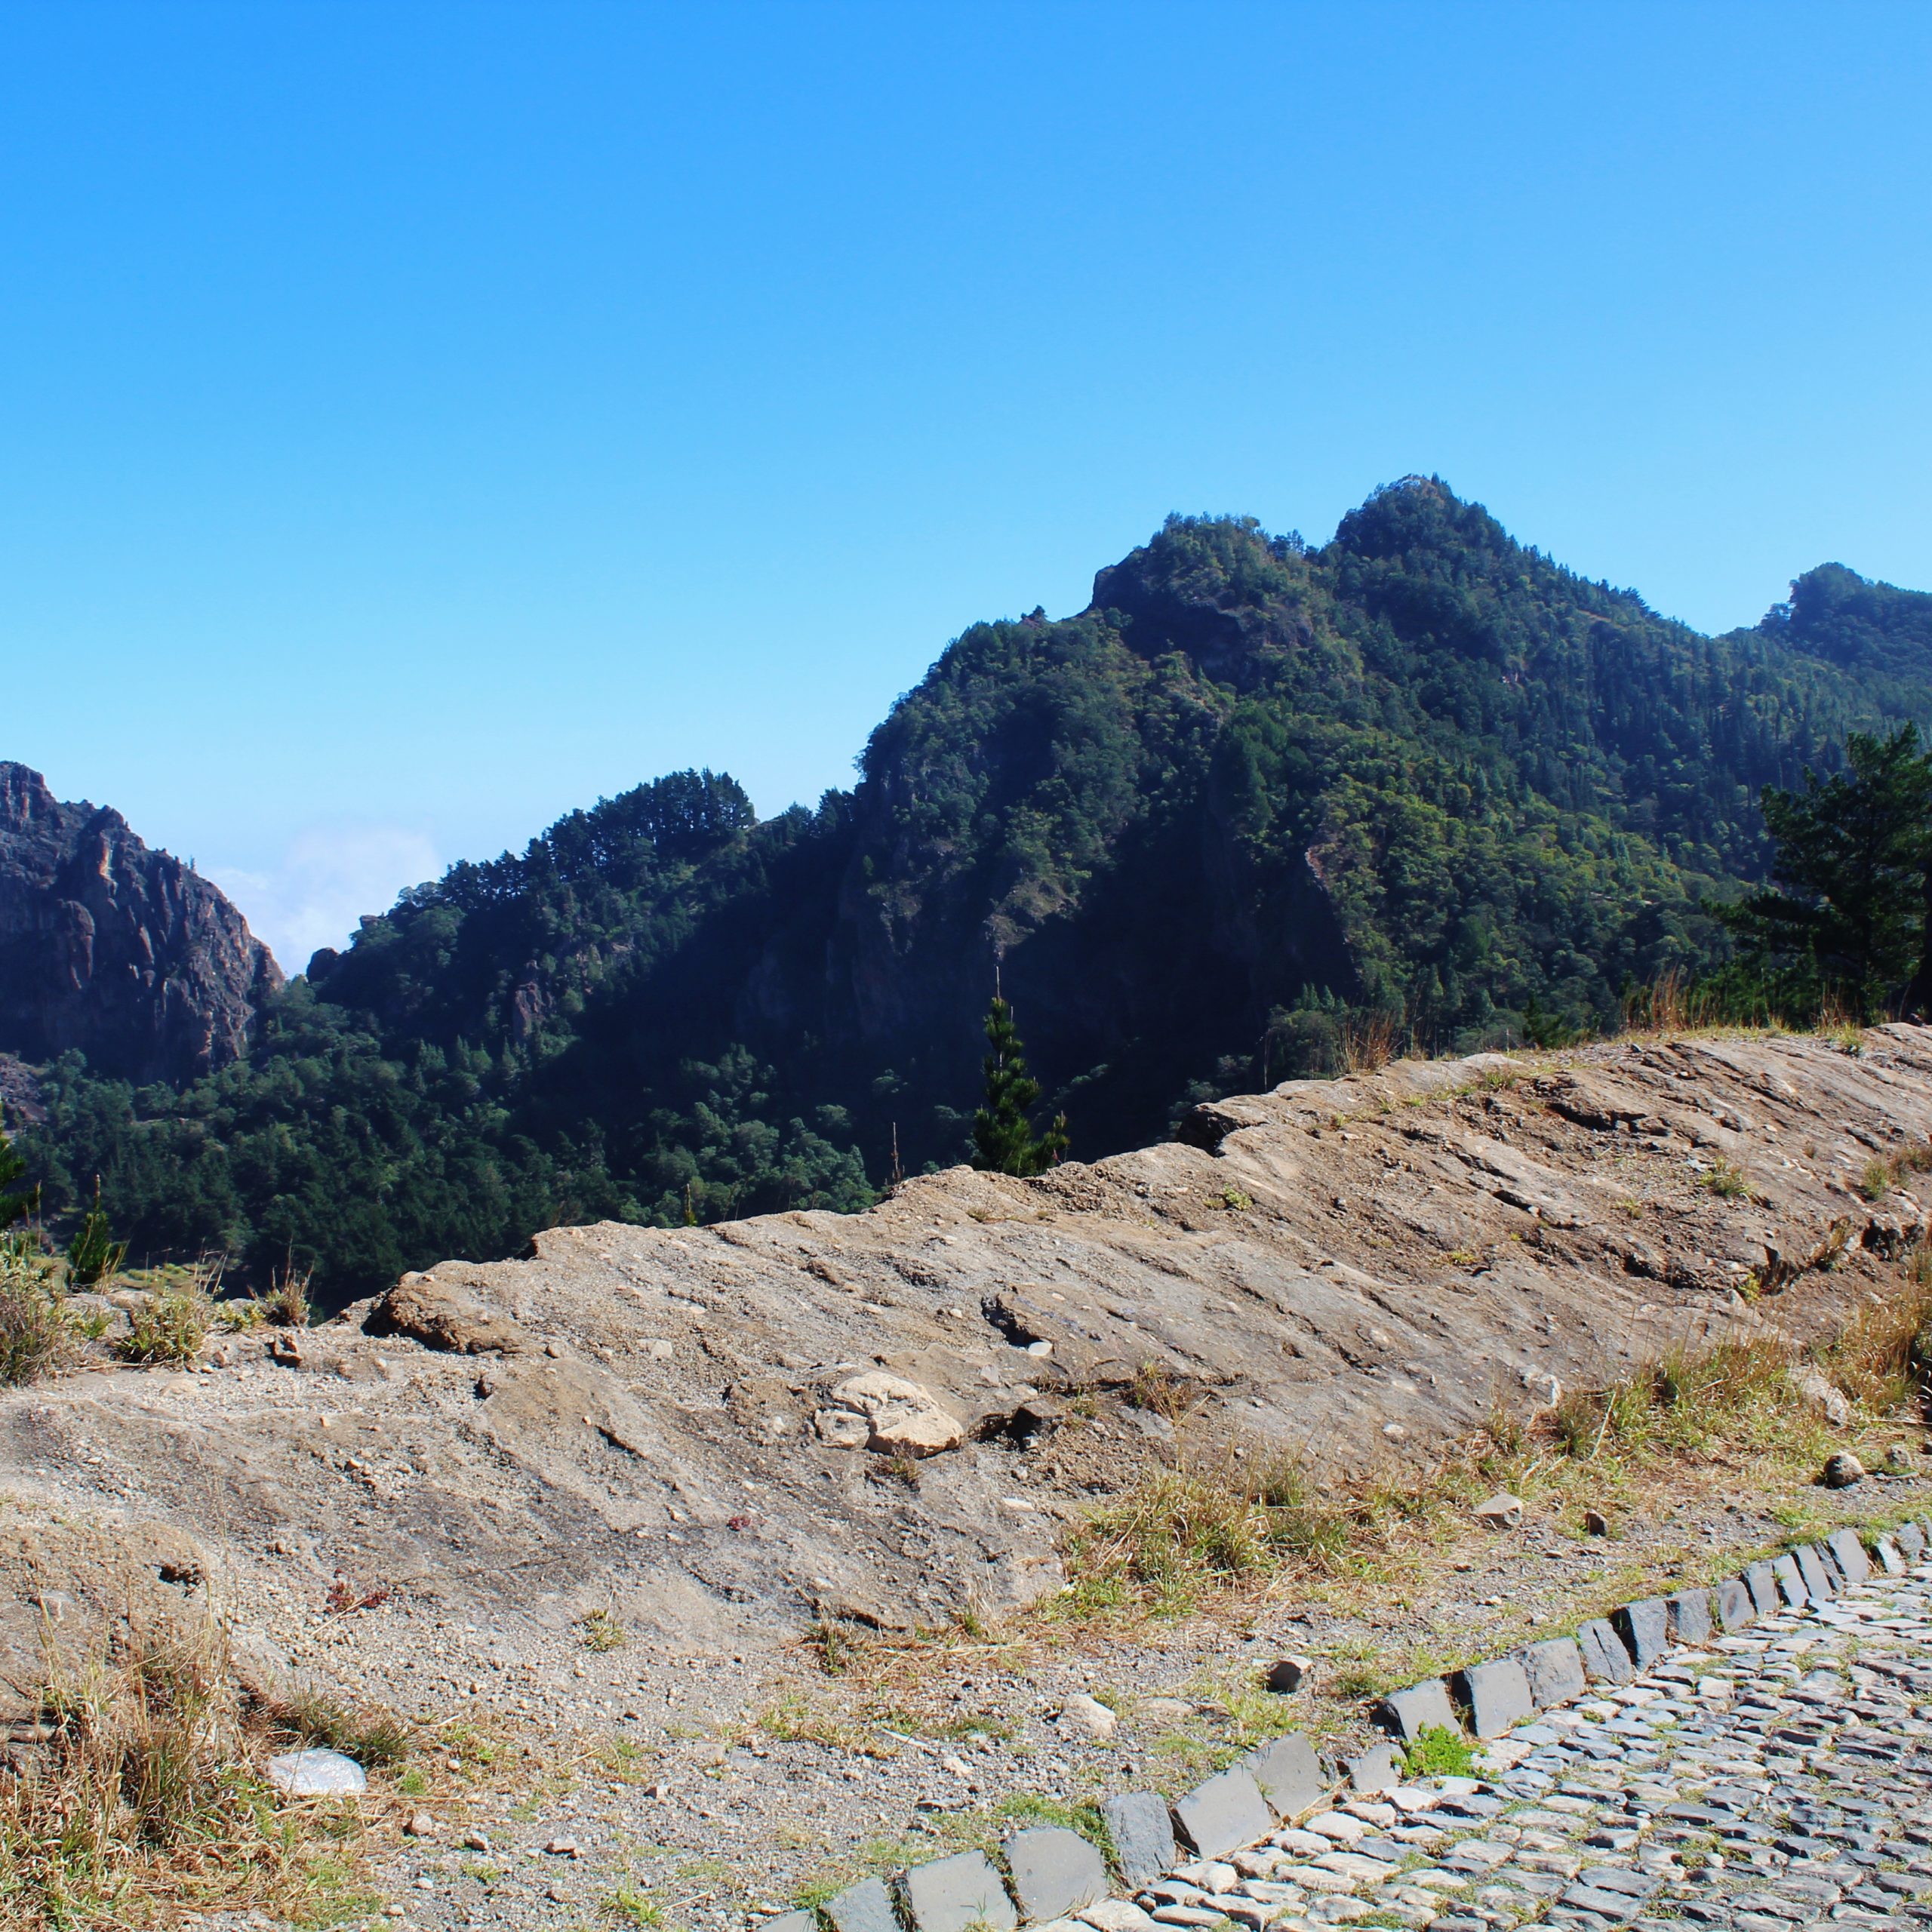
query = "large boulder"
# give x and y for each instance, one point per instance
(440, 1316)
(905, 1418)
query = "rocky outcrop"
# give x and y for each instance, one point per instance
(106, 948)
(890, 1415)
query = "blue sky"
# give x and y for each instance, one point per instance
(418, 419)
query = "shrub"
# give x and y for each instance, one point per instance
(170, 1327)
(94, 1254)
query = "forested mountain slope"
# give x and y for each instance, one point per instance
(1256, 791)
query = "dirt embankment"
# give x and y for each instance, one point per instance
(718, 1434)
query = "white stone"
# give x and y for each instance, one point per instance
(1088, 1715)
(316, 1774)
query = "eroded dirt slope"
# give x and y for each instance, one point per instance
(671, 1424)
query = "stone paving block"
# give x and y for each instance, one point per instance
(1497, 1695)
(790, 1922)
(1690, 1613)
(1829, 1564)
(1761, 1580)
(1735, 1608)
(1408, 1713)
(1844, 1544)
(1289, 1773)
(1223, 1814)
(1143, 1831)
(1555, 1669)
(1791, 1581)
(1645, 1629)
(1605, 1660)
(864, 1907)
(949, 1894)
(1911, 1539)
(1054, 1871)
(1375, 1770)
(1115, 1916)
(1818, 1584)
(1889, 1554)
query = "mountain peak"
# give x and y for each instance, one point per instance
(120, 951)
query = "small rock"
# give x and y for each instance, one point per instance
(1089, 1716)
(842, 1429)
(561, 1848)
(316, 1774)
(1501, 1512)
(1164, 1710)
(1813, 1387)
(1595, 1523)
(476, 1840)
(1898, 1458)
(421, 1825)
(1842, 1469)
(1289, 1674)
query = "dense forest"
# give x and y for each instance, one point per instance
(1257, 795)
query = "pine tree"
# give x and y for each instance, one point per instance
(1003, 1138)
(93, 1253)
(1853, 855)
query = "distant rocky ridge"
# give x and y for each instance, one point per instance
(120, 952)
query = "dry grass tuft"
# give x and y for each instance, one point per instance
(171, 1327)
(286, 1304)
(1221, 1520)
(1883, 1359)
(35, 1337)
(148, 1787)
(149, 1797)
(1367, 1042)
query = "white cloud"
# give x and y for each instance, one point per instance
(328, 877)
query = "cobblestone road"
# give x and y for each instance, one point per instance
(1783, 1777)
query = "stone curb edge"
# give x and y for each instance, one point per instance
(1055, 1880)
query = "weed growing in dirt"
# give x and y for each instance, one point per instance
(1726, 1180)
(285, 1305)
(601, 1631)
(169, 1328)
(629, 1904)
(1026, 1807)
(1437, 1753)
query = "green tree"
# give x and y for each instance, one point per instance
(1003, 1138)
(15, 1204)
(1848, 913)
(93, 1253)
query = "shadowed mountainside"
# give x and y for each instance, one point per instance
(1257, 796)
(113, 951)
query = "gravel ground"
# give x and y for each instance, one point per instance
(714, 1832)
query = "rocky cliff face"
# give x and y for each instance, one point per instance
(120, 952)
